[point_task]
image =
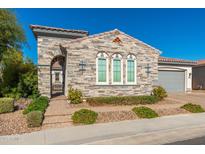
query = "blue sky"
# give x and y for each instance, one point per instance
(178, 33)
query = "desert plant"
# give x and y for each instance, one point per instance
(144, 112)
(75, 96)
(194, 108)
(122, 100)
(34, 119)
(84, 116)
(6, 105)
(38, 104)
(159, 92)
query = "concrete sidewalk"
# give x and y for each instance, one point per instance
(146, 131)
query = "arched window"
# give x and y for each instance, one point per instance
(117, 69)
(102, 68)
(131, 69)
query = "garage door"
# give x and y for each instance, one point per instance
(172, 81)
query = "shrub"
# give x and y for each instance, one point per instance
(144, 112)
(159, 92)
(122, 100)
(39, 104)
(84, 116)
(75, 96)
(194, 108)
(34, 119)
(6, 105)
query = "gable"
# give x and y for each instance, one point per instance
(111, 38)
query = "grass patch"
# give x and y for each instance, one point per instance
(194, 108)
(84, 116)
(145, 112)
(122, 100)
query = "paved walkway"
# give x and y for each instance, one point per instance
(153, 131)
(58, 113)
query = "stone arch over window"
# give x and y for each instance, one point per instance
(117, 69)
(131, 69)
(102, 68)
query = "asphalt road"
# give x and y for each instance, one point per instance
(194, 141)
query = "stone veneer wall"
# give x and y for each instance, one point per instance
(48, 48)
(87, 50)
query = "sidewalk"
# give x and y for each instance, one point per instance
(109, 133)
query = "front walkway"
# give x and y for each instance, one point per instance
(57, 113)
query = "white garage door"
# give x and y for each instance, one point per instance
(172, 81)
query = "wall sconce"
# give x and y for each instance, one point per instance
(148, 70)
(82, 65)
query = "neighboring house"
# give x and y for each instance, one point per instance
(105, 64)
(199, 75)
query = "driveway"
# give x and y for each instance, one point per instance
(192, 97)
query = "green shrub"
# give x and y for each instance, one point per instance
(194, 108)
(38, 104)
(6, 105)
(75, 96)
(159, 92)
(144, 112)
(122, 100)
(34, 119)
(84, 116)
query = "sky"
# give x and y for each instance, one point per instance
(178, 33)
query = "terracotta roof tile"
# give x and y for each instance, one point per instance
(174, 60)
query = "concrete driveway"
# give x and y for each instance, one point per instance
(197, 97)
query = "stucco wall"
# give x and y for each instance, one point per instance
(187, 69)
(87, 50)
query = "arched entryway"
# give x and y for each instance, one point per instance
(57, 76)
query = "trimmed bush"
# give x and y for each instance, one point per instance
(144, 112)
(84, 116)
(159, 92)
(39, 104)
(75, 96)
(34, 119)
(194, 108)
(122, 100)
(6, 105)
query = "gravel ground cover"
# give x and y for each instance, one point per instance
(14, 123)
(114, 116)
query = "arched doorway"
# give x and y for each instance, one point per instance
(57, 76)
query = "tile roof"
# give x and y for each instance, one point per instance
(201, 62)
(57, 29)
(176, 61)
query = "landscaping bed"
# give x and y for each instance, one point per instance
(114, 116)
(14, 123)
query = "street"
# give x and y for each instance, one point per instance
(194, 141)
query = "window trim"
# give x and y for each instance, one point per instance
(107, 68)
(130, 56)
(121, 63)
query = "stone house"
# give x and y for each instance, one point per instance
(106, 64)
